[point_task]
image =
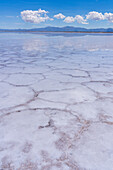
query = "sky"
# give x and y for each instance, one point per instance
(42, 13)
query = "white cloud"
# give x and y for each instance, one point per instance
(69, 19)
(77, 18)
(59, 16)
(42, 16)
(35, 16)
(80, 19)
(95, 16)
(109, 16)
(42, 11)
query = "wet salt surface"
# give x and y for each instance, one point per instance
(56, 102)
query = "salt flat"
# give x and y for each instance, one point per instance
(56, 102)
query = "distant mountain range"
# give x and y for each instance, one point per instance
(61, 29)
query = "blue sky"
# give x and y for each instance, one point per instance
(11, 16)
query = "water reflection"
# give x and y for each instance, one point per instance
(80, 43)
